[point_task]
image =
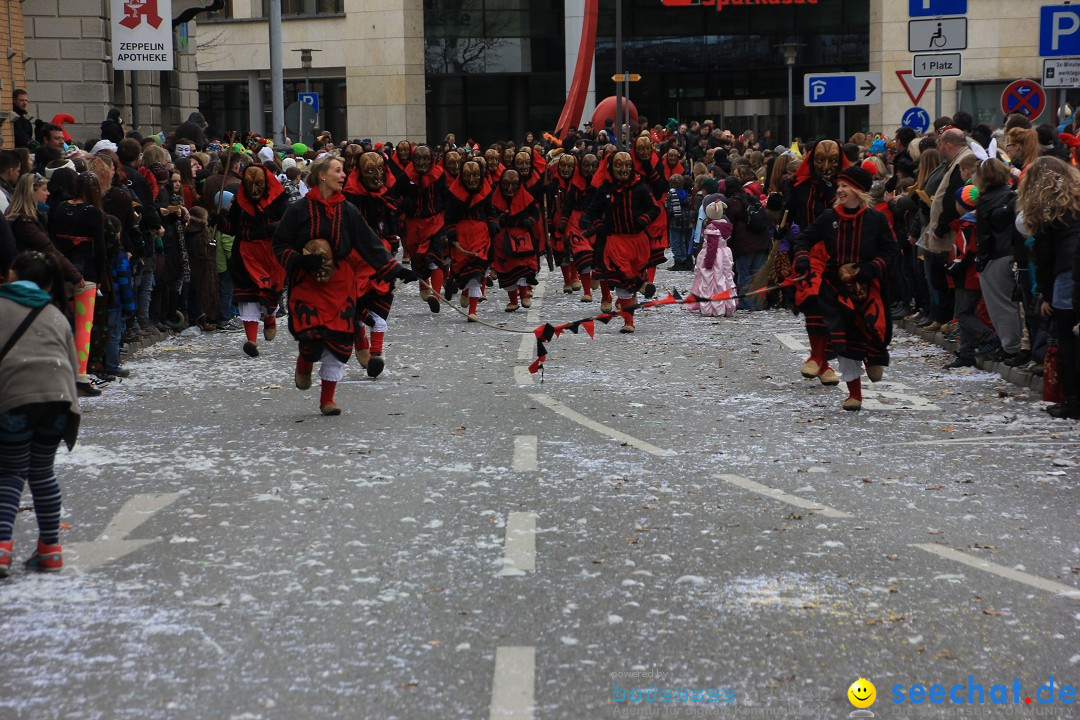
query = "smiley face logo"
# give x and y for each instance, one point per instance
(862, 693)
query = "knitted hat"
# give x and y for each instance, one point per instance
(715, 210)
(967, 197)
(857, 178)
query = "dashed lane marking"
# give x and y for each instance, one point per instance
(513, 688)
(112, 543)
(525, 449)
(561, 409)
(1001, 571)
(792, 343)
(519, 550)
(784, 497)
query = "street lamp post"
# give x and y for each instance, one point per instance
(791, 50)
(305, 63)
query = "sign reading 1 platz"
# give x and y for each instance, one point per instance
(826, 89)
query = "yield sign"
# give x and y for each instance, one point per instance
(903, 75)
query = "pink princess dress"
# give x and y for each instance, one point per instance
(714, 271)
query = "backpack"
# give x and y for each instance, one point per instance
(756, 219)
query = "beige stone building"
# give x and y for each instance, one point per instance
(68, 69)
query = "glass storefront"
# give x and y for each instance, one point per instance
(225, 105)
(498, 64)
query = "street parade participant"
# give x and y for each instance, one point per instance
(531, 166)
(321, 241)
(398, 161)
(811, 192)
(494, 165)
(647, 166)
(366, 189)
(859, 251)
(515, 256)
(578, 196)
(470, 226)
(563, 183)
(257, 277)
(621, 210)
(452, 165)
(421, 194)
(672, 165)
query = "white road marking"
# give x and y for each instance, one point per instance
(525, 447)
(519, 551)
(782, 496)
(558, 407)
(112, 544)
(522, 376)
(1000, 570)
(792, 343)
(514, 685)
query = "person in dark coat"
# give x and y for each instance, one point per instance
(194, 130)
(112, 127)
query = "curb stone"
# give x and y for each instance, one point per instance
(1016, 376)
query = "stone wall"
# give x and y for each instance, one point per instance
(12, 68)
(69, 70)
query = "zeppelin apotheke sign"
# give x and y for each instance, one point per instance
(142, 36)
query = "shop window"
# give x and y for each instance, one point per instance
(293, 8)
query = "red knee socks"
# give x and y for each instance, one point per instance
(251, 329)
(586, 283)
(472, 305)
(270, 321)
(436, 281)
(303, 366)
(854, 389)
(817, 351)
(513, 296)
(361, 338)
(651, 273)
(565, 274)
(377, 342)
(605, 291)
(326, 392)
(573, 273)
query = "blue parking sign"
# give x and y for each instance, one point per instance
(931, 8)
(1059, 30)
(311, 99)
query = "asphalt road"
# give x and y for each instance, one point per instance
(676, 507)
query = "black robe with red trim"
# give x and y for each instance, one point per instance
(471, 223)
(322, 315)
(618, 215)
(373, 295)
(256, 275)
(860, 330)
(515, 252)
(571, 213)
(657, 230)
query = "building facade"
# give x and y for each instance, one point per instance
(490, 69)
(68, 69)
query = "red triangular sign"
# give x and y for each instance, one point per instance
(903, 75)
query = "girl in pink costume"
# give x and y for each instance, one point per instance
(714, 268)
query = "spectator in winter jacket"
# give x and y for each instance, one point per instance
(194, 130)
(21, 121)
(677, 205)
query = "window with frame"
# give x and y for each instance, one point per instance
(293, 8)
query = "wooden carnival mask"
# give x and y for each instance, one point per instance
(523, 163)
(452, 163)
(567, 165)
(509, 184)
(827, 159)
(255, 182)
(588, 165)
(622, 166)
(422, 159)
(472, 175)
(372, 171)
(643, 149)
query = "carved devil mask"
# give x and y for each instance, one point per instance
(643, 149)
(471, 175)
(491, 159)
(523, 164)
(452, 162)
(372, 171)
(672, 157)
(255, 182)
(588, 165)
(422, 160)
(622, 166)
(404, 153)
(567, 164)
(509, 184)
(827, 159)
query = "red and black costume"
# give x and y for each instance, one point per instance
(471, 223)
(515, 255)
(422, 199)
(657, 231)
(572, 204)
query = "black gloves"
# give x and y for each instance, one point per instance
(802, 265)
(311, 263)
(405, 274)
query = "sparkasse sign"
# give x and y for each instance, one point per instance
(142, 35)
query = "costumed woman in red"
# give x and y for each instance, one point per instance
(531, 168)
(366, 189)
(811, 192)
(470, 225)
(321, 241)
(258, 279)
(860, 250)
(515, 255)
(421, 194)
(563, 184)
(620, 211)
